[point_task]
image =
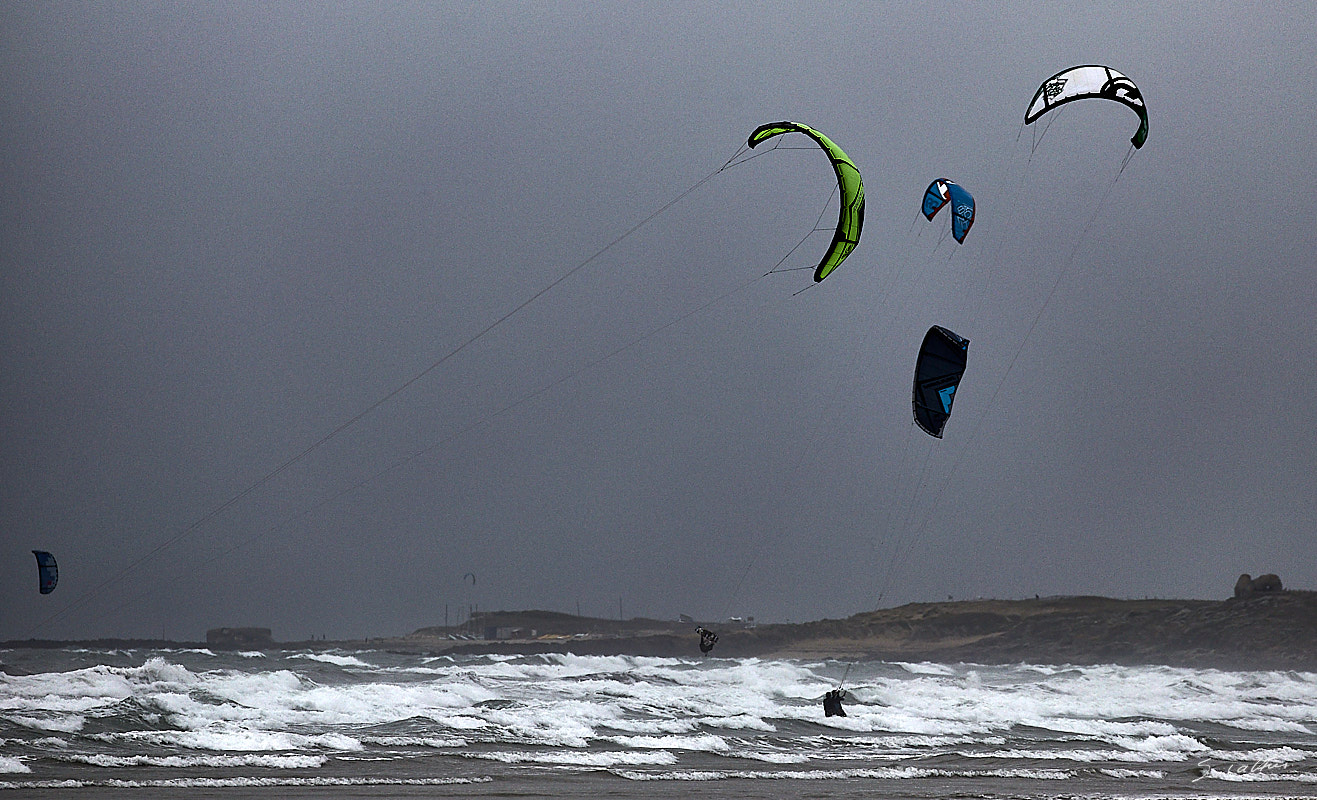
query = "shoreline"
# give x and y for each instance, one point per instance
(1273, 631)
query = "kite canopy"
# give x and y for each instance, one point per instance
(851, 218)
(47, 571)
(938, 369)
(1081, 83)
(942, 191)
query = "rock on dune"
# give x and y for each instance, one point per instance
(1248, 586)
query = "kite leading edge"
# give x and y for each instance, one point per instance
(851, 218)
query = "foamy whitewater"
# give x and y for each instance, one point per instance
(577, 725)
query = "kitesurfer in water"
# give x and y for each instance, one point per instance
(707, 639)
(832, 704)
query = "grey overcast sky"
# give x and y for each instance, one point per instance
(229, 228)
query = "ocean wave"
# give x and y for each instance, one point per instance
(1256, 775)
(744, 722)
(705, 743)
(184, 762)
(438, 742)
(907, 743)
(233, 738)
(885, 773)
(771, 758)
(336, 660)
(1271, 724)
(1081, 756)
(1164, 748)
(244, 782)
(666, 716)
(926, 668)
(578, 758)
(71, 723)
(1115, 772)
(1273, 755)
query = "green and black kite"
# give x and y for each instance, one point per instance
(851, 218)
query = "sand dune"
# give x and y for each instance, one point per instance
(1275, 631)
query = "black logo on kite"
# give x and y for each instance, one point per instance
(1054, 87)
(1120, 88)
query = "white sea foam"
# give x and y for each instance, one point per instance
(745, 722)
(682, 775)
(844, 774)
(927, 668)
(183, 762)
(12, 766)
(1090, 701)
(705, 743)
(1109, 730)
(65, 724)
(245, 782)
(1115, 772)
(1165, 748)
(907, 743)
(1258, 775)
(1083, 756)
(289, 710)
(771, 758)
(578, 758)
(331, 658)
(462, 722)
(259, 700)
(1271, 724)
(1265, 755)
(438, 742)
(229, 738)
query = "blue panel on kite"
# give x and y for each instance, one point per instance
(947, 395)
(47, 571)
(962, 211)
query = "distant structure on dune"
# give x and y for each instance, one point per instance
(1248, 586)
(237, 638)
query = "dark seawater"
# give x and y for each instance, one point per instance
(196, 723)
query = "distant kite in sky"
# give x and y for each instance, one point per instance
(941, 192)
(1090, 81)
(47, 571)
(938, 370)
(851, 218)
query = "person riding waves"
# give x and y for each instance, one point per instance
(832, 704)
